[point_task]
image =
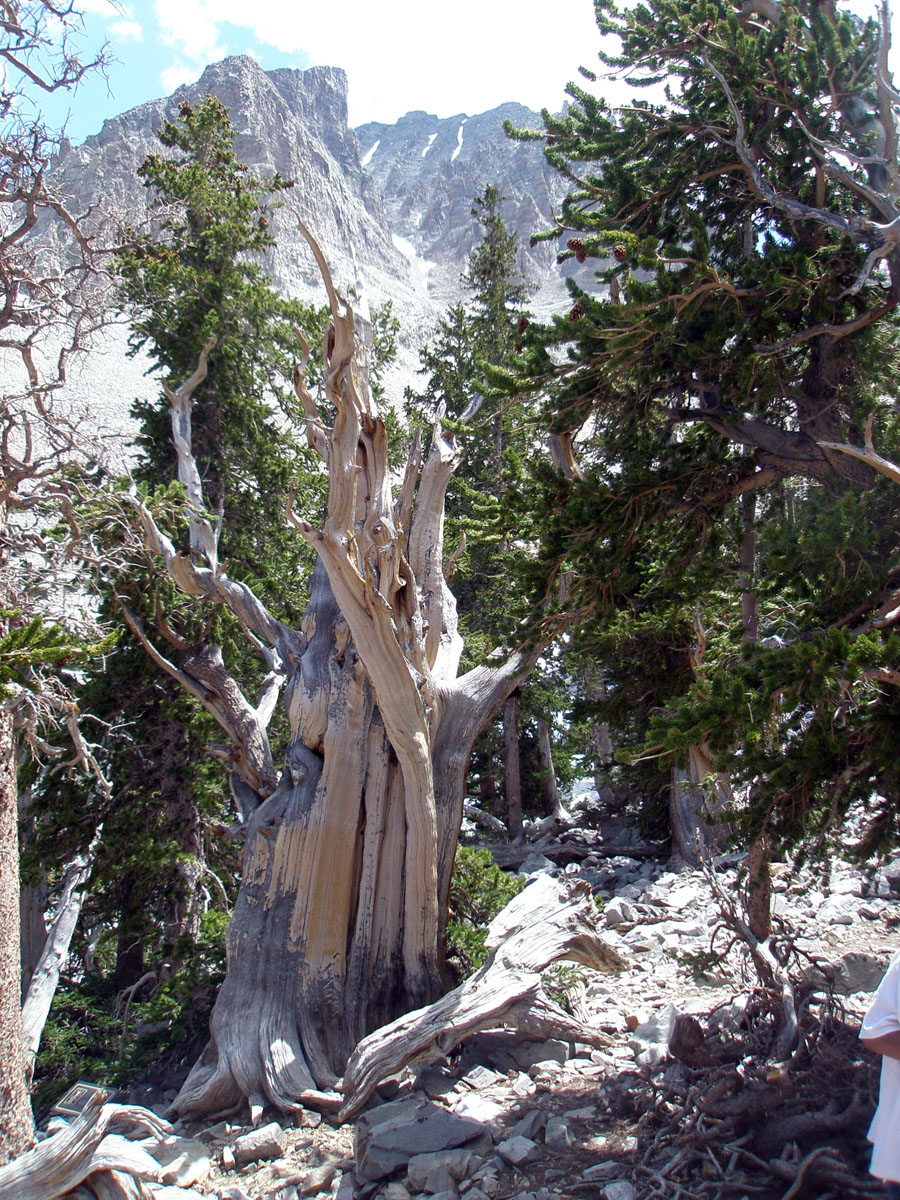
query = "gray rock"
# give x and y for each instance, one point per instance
(232, 1192)
(529, 1126)
(455, 1163)
(435, 1081)
(619, 912)
(857, 972)
(260, 1144)
(836, 910)
(438, 1181)
(387, 1137)
(558, 1134)
(346, 1188)
(523, 1085)
(228, 1160)
(178, 1193)
(601, 1170)
(620, 1189)
(518, 1150)
(317, 1179)
(184, 1160)
(478, 1108)
(536, 864)
(650, 1041)
(481, 1077)
(395, 1191)
(527, 1054)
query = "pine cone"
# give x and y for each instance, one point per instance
(577, 311)
(620, 252)
(518, 347)
(522, 324)
(577, 245)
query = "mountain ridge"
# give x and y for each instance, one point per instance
(390, 205)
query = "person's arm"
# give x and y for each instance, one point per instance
(887, 1044)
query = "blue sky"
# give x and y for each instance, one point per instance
(466, 56)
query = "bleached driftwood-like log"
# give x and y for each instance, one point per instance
(87, 1152)
(547, 922)
(44, 980)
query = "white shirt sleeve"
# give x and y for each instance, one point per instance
(884, 1013)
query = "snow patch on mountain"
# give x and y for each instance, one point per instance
(431, 138)
(419, 267)
(369, 155)
(459, 141)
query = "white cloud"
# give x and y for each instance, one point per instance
(175, 75)
(127, 30)
(104, 8)
(402, 54)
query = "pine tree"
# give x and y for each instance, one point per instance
(745, 316)
(488, 515)
(196, 278)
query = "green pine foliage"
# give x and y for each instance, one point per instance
(479, 889)
(28, 644)
(736, 323)
(166, 866)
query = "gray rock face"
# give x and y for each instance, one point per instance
(429, 172)
(395, 224)
(387, 1137)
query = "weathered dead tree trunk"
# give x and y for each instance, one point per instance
(16, 1124)
(698, 794)
(339, 922)
(45, 977)
(90, 1151)
(547, 922)
(548, 771)
(512, 770)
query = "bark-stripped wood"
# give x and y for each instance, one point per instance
(547, 922)
(87, 1151)
(55, 953)
(339, 921)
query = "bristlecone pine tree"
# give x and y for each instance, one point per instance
(349, 847)
(736, 571)
(192, 280)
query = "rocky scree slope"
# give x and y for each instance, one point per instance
(507, 1119)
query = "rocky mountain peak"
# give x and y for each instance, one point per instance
(391, 205)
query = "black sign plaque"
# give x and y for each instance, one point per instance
(74, 1102)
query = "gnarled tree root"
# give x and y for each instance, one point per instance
(549, 921)
(87, 1159)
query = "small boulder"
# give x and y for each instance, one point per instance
(184, 1161)
(388, 1136)
(424, 1168)
(558, 1134)
(518, 1150)
(619, 1189)
(529, 1126)
(260, 1144)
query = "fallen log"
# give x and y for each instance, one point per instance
(550, 920)
(87, 1153)
(563, 852)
